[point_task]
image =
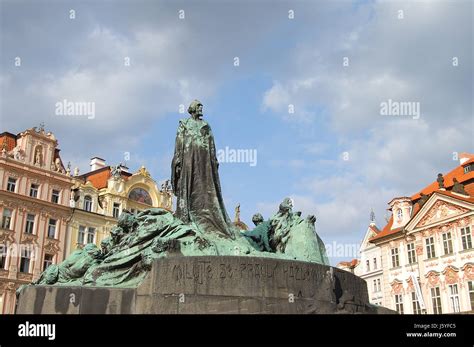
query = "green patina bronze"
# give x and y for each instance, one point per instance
(200, 225)
(195, 177)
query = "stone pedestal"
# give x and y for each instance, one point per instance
(214, 284)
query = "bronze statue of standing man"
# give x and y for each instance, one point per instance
(195, 177)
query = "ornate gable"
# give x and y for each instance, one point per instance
(397, 287)
(365, 242)
(439, 211)
(451, 274)
(433, 278)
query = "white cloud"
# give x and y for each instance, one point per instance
(405, 60)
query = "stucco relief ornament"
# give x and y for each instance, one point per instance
(419, 250)
(397, 287)
(433, 279)
(58, 166)
(16, 153)
(11, 286)
(116, 172)
(6, 236)
(450, 276)
(52, 247)
(144, 172)
(103, 203)
(469, 271)
(440, 210)
(29, 239)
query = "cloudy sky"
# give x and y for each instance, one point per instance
(332, 62)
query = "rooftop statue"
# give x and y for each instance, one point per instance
(458, 187)
(440, 181)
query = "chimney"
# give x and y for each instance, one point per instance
(97, 163)
(464, 157)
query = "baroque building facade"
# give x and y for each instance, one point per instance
(35, 191)
(427, 246)
(47, 211)
(369, 265)
(100, 195)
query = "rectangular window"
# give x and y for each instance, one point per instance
(48, 260)
(430, 248)
(90, 235)
(454, 297)
(375, 285)
(395, 260)
(55, 196)
(379, 285)
(466, 238)
(399, 303)
(81, 235)
(436, 300)
(34, 190)
(116, 210)
(3, 256)
(375, 263)
(88, 203)
(415, 303)
(30, 223)
(411, 253)
(7, 218)
(367, 263)
(11, 185)
(447, 243)
(52, 228)
(471, 293)
(25, 261)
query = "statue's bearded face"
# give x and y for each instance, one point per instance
(198, 111)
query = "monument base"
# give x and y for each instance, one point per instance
(214, 284)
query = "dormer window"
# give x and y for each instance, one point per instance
(468, 168)
(87, 203)
(399, 213)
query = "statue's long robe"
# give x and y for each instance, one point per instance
(195, 179)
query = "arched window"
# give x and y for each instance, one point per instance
(88, 203)
(399, 213)
(140, 195)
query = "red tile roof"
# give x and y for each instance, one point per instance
(9, 138)
(351, 264)
(466, 178)
(458, 172)
(99, 177)
(374, 228)
(386, 231)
